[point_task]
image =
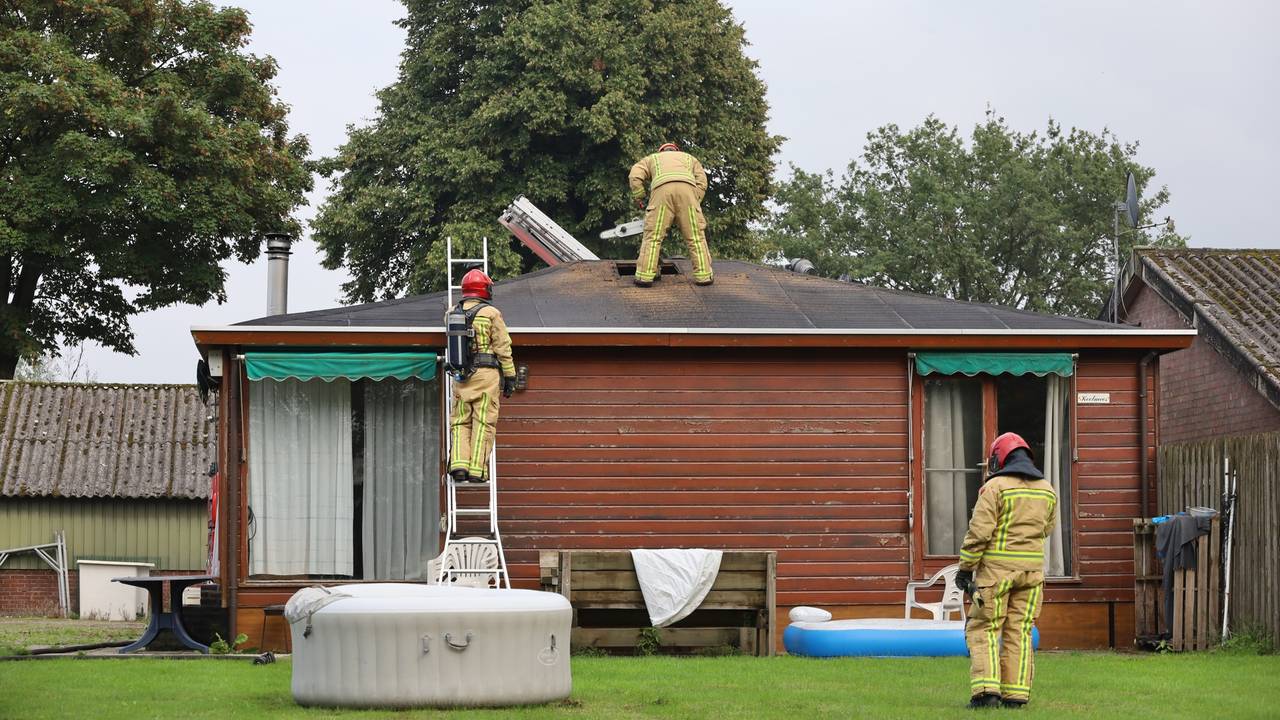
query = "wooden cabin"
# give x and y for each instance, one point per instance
(842, 425)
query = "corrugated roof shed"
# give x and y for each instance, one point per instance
(100, 440)
(594, 294)
(1236, 294)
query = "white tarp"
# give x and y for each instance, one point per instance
(674, 582)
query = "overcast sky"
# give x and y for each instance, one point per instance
(1194, 82)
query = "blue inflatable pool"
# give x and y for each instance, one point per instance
(880, 637)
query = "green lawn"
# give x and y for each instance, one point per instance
(1215, 686)
(19, 633)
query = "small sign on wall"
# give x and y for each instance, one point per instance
(1093, 398)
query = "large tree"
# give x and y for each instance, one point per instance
(141, 146)
(552, 99)
(1018, 219)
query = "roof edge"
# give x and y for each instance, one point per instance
(1079, 332)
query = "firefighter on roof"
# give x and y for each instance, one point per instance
(675, 183)
(1002, 567)
(489, 370)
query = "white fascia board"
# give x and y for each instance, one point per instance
(1005, 332)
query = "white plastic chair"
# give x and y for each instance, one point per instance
(952, 596)
(478, 555)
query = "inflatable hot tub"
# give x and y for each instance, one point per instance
(880, 637)
(401, 645)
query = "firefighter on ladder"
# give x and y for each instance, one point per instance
(676, 183)
(1002, 568)
(475, 396)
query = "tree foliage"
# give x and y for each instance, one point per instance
(552, 99)
(1017, 219)
(140, 147)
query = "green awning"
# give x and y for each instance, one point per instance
(329, 366)
(988, 363)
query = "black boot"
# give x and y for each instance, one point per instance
(985, 700)
(459, 475)
(1013, 704)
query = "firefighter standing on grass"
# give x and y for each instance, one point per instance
(675, 182)
(475, 398)
(1002, 567)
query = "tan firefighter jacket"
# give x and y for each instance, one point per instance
(1011, 520)
(661, 168)
(491, 335)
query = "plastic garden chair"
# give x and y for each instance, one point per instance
(952, 596)
(478, 556)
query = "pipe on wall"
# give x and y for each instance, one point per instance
(232, 479)
(1143, 465)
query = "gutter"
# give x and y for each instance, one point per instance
(1071, 340)
(905, 332)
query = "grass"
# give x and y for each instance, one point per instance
(1104, 685)
(17, 634)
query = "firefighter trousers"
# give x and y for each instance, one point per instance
(475, 415)
(1001, 656)
(674, 202)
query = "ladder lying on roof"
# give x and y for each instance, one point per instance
(471, 559)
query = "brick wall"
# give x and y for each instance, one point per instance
(35, 592)
(1201, 394)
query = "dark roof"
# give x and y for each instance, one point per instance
(99, 440)
(592, 294)
(1231, 296)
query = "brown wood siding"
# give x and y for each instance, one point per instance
(805, 454)
(622, 449)
(1106, 477)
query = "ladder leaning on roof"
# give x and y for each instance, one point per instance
(459, 550)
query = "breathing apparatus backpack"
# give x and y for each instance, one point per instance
(459, 357)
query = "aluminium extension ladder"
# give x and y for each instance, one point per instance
(472, 555)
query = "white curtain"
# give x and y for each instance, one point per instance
(1057, 469)
(300, 478)
(953, 436)
(400, 522)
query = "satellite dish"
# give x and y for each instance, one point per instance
(1131, 201)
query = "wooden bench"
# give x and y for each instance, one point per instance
(609, 610)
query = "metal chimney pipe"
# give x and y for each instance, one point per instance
(278, 245)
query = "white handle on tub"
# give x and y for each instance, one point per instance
(458, 646)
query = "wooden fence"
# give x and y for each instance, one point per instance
(1193, 473)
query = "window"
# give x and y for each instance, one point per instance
(962, 416)
(343, 478)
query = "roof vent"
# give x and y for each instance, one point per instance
(802, 266)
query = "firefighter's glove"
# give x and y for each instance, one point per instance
(964, 581)
(640, 203)
(508, 386)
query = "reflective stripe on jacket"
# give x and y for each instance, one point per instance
(661, 168)
(1011, 520)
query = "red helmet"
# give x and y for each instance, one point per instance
(668, 146)
(1001, 448)
(475, 284)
